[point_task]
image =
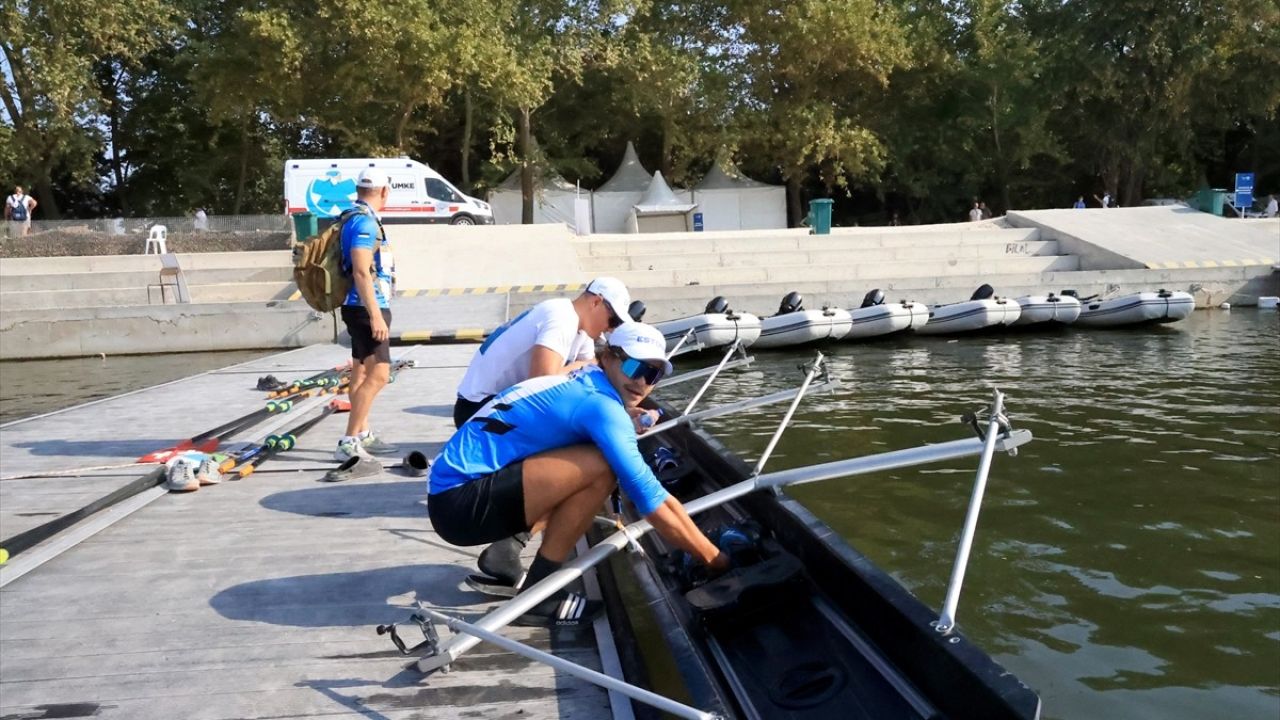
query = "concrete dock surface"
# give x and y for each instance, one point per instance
(255, 598)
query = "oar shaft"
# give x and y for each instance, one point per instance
(574, 569)
(695, 374)
(780, 396)
(710, 379)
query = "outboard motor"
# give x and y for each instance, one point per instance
(636, 310)
(984, 292)
(793, 302)
(718, 305)
(873, 298)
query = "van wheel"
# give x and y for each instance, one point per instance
(462, 220)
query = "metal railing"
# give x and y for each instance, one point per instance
(127, 236)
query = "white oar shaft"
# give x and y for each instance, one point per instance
(680, 344)
(733, 348)
(786, 419)
(695, 374)
(780, 396)
(947, 619)
(572, 570)
(609, 683)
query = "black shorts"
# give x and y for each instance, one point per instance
(482, 511)
(464, 409)
(362, 343)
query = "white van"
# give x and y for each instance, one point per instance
(418, 194)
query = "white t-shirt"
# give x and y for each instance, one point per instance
(16, 200)
(503, 359)
(975, 215)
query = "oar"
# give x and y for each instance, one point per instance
(780, 396)
(336, 370)
(275, 444)
(452, 649)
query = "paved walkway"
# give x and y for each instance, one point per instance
(256, 598)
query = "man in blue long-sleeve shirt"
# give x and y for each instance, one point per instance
(552, 449)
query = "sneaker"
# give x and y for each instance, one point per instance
(357, 467)
(415, 464)
(564, 609)
(207, 473)
(373, 445)
(348, 449)
(501, 560)
(181, 477)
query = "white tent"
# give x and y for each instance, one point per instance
(729, 200)
(552, 199)
(659, 210)
(613, 201)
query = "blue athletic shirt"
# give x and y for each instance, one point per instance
(545, 413)
(362, 231)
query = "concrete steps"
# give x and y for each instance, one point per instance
(230, 292)
(140, 278)
(774, 241)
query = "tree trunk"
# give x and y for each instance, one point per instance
(466, 140)
(402, 124)
(1002, 174)
(794, 212)
(526, 168)
(244, 171)
(44, 191)
(665, 163)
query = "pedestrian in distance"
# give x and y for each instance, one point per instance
(201, 222)
(18, 209)
(1079, 205)
(1272, 208)
(554, 337)
(986, 211)
(367, 314)
(549, 451)
(1105, 201)
(975, 214)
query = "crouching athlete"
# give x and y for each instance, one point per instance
(551, 450)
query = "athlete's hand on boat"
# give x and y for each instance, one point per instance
(643, 419)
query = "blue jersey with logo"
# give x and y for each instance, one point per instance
(545, 413)
(362, 230)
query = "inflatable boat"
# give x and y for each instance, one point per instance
(793, 325)
(982, 310)
(876, 318)
(716, 327)
(1036, 309)
(1162, 306)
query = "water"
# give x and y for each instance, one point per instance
(1127, 562)
(32, 387)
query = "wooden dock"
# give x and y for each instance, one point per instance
(255, 598)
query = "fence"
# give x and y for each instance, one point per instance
(127, 236)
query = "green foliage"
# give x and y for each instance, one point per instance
(913, 106)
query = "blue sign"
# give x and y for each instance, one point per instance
(697, 222)
(1244, 190)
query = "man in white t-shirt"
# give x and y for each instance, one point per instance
(553, 337)
(17, 210)
(975, 214)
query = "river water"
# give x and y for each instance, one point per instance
(1127, 562)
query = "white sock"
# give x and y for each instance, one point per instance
(364, 434)
(346, 438)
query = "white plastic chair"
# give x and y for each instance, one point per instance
(156, 240)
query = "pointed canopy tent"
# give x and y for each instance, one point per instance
(659, 210)
(729, 200)
(613, 201)
(552, 199)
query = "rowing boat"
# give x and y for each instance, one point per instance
(812, 630)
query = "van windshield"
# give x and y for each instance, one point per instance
(440, 190)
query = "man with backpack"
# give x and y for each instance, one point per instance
(17, 210)
(366, 312)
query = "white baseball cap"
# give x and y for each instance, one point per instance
(614, 293)
(372, 177)
(642, 342)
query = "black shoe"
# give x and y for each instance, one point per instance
(501, 560)
(564, 609)
(270, 382)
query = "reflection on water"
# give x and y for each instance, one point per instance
(32, 387)
(1127, 563)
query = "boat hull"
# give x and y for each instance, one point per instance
(887, 319)
(1036, 309)
(1137, 309)
(712, 329)
(970, 316)
(835, 638)
(803, 326)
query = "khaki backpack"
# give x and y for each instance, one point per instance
(317, 266)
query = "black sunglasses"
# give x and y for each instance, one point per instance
(614, 321)
(637, 369)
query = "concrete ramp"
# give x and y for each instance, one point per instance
(1166, 237)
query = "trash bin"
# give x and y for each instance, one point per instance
(819, 219)
(304, 225)
(1211, 200)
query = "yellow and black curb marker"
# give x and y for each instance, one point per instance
(425, 337)
(492, 290)
(1192, 264)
